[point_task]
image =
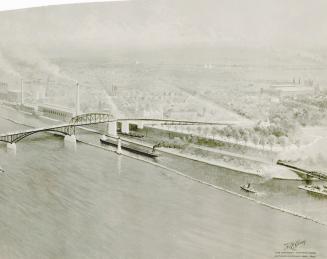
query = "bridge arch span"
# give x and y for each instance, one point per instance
(95, 118)
(16, 137)
(90, 118)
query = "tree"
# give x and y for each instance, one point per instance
(214, 131)
(199, 130)
(237, 135)
(283, 140)
(241, 131)
(276, 120)
(262, 142)
(271, 141)
(245, 137)
(206, 131)
(255, 139)
(227, 131)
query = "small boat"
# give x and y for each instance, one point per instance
(248, 188)
(138, 149)
(314, 189)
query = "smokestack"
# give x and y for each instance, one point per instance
(77, 104)
(22, 92)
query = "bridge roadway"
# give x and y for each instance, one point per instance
(97, 118)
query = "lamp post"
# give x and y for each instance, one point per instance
(22, 92)
(77, 103)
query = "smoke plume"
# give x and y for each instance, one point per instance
(29, 57)
(312, 155)
(7, 67)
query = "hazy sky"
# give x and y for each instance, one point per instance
(293, 24)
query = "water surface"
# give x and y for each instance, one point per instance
(56, 203)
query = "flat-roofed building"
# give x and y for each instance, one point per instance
(289, 90)
(3, 90)
(13, 96)
(56, 112)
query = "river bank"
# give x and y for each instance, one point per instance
(262, 169)
(99, 203)
(216, 176)
(213, 156)
(79, 139)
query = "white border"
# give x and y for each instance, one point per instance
(6, 5)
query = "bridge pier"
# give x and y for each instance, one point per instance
(112, 128)
(70, 141)
(118, 151)
(125, 127)
(140, 125)
(11, 148)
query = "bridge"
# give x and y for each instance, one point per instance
(96, 118)
(304, 173)
(66, 129)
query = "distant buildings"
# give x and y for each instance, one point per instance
(13, 96)
(36, 96)
(55, 112)
(33, 91)
(293, 89)
(9, 95)
(3, 90)
(290, 91)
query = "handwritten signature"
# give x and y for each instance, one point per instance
(294, 244)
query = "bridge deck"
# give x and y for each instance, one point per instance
(94, 118)
(33, 130)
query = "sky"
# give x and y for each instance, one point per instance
(151, 24)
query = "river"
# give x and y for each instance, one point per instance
(91, 203)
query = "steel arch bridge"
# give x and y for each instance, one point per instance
(90, 118)
(14, 137)
(95, 118)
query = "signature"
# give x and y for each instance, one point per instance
(294, 245)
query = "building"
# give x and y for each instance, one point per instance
(282, 85)
(13, 96)
(29, 108)
(56, 112)
(290, 91)
(3, 90)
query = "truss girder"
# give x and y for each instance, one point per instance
(95, 118)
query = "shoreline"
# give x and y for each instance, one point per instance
(283, 210)
(212, 185)
(215, 163)
(168, 151)
(175, 152)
